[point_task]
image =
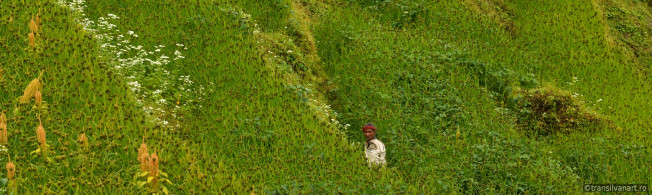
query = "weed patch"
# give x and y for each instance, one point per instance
(163, 94)
(631, 23)
(543, 110)
(550, 110)
(496, 10)
(402, 14)
(450, 119)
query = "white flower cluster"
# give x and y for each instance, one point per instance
(573, 81)
(143, 70)
(74, 5)
(3, 149)
(576, 95)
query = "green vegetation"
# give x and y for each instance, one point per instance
(482, 62)
(630, 23)
(269, 96)
(548, 110)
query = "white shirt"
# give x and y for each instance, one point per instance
(375, 152)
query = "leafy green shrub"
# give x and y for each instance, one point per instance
(400, 14)
(549, 110)
(238, 14)
(439, 103)
(542, 111)
(339, 38)
(498, 79)
(502, 164)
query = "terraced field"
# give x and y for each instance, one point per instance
(268, 97)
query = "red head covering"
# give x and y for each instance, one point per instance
(369, 126)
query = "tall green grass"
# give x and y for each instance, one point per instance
(251, 130)
(82, 96)
(553, 41)
(402, 65)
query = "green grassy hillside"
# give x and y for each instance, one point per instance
(269, 96)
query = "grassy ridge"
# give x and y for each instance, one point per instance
(81, 96)
(550, 40)
(411, 86)
(252, 131)
(403, 65)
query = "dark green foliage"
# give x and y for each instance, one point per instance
(632, 24)
(435, 101)
(498, 79)
(399, 14)
(548, 110)
(447, 88)
(498, 163)
(539, 111)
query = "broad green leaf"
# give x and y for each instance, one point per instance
(165, 190)
(142, 183)
(164, 174)
(149, 179)
(143, 174)
(166, 180)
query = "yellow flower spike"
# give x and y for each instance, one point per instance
(38, 20)
(153, 171)
(3, 133)
(3, 118)
(40, 136)
(11, 169)
(38, 97)
(31, 89)
(143, 156)
(84, 140)
(153, 165)
(32, 26)
(32, 40)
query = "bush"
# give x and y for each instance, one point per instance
(499, 80)
(401, 14)
(542, 111)
(550, 110)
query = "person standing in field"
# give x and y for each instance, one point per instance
(374, 149)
